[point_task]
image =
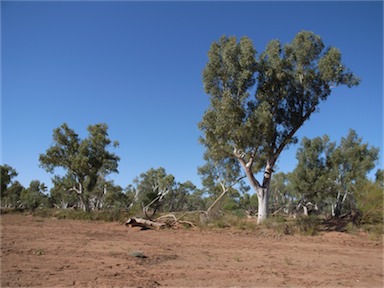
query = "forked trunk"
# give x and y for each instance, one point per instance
(262, 190)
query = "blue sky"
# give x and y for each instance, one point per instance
(137, 66)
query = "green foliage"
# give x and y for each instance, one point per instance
(352, 160)
(291, 81)
(181, 198)
(61, 194)
(311, 180)
(152, 183)
(379, 178)
(228, 219)
(85, 161)
(308, 225)
(7, 173)
(33, 197)
(113, 215)
(174, 196)
(195, 201)
(258, 104)
(10, 190)
(281, 193)
(330, 172)
(11, 196)
(370, 197)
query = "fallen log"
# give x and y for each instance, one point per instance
(144, 224)
(171, 221)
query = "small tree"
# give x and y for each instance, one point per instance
(281, 194)
(10, 190)
(34, 197)
(62, 195)
(327, 171)
(291, 81)
(114, 197)
(84, 160)
(351, 161)
(7, 173)
(370, 203)
(151, 188)
(179, 197)
(312, 179)
(219, 177)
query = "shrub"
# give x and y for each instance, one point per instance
(370, 204)
(280, 224)
(114, 215)
(308, 225)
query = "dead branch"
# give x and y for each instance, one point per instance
(171, 220)
(144, 224)
(168, 220)
(225, 190)
(278, 210)
(145, 209)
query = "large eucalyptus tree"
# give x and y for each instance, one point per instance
(258, 104)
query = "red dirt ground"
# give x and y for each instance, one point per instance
(48, 252)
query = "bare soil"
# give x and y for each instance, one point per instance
(48, 252)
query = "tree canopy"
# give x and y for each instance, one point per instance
(84, 160)
(257, 104)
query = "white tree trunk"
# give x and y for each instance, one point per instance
(262, 190)
(263, 197)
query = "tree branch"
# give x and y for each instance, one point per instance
(78, 191)
(225, 190)
(290, 135)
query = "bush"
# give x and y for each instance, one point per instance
(114, 215)
(280, 225)
(304, 225)
(309, 225)
(370, 204)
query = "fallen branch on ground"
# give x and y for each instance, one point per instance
(168, 220)
(144, 224)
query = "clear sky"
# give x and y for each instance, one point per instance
(137, 66)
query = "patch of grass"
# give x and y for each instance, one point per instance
(230, 220)
(4, 211)
(39, 252)
(308, 225)
(238, 259)
(288, 261)
(44, 212)
(106, 216)
(280, 225)
(376, 231)
(277, 225)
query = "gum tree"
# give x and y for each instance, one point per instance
(257, 104)
(312, 180)
(351, 161)
(10, 189)
(84, 160)
(151, 188)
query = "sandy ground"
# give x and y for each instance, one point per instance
(47, 252)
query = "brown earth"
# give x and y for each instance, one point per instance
(48, 252)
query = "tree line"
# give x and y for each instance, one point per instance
(257, 104)
(330, 179)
